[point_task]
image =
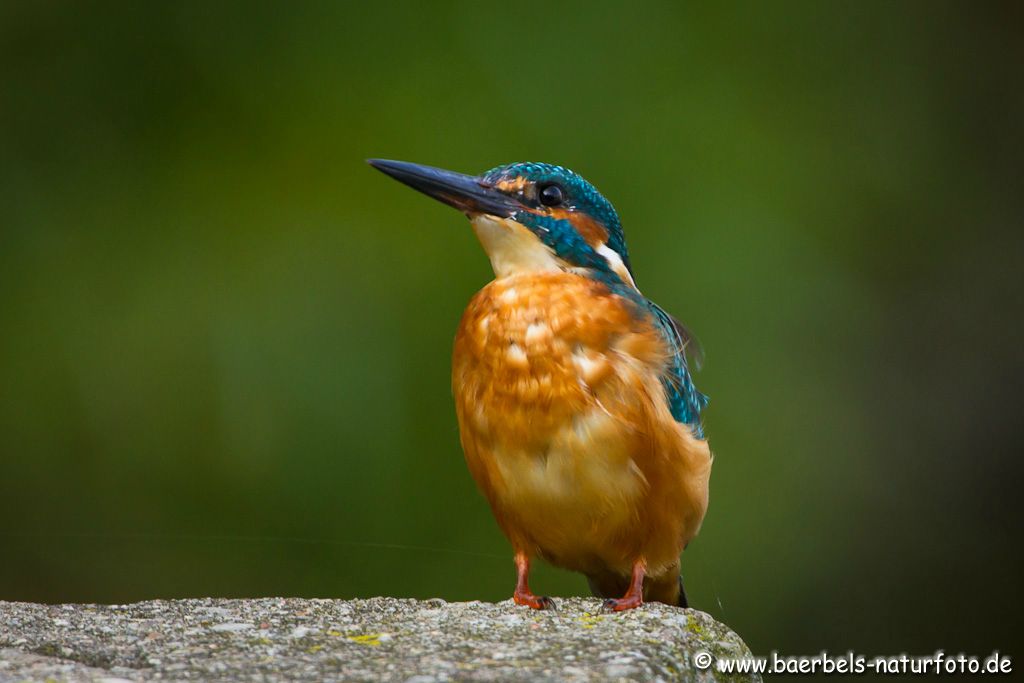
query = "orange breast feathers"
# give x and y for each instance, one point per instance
(566, 428)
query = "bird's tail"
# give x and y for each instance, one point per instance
(667, 589)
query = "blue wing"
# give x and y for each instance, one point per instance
(684, 400)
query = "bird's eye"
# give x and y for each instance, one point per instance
(551, 195)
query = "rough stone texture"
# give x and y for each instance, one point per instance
(277, 639)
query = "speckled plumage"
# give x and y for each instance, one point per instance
(566, 428)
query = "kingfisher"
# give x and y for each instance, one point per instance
(577, 411)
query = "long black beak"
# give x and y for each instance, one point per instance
(466, 193)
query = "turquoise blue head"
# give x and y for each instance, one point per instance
(530, 216)
(564, 204)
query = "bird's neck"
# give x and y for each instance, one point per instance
(512, 248)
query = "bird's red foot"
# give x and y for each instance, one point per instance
(624, 603)
(522, 594)
(534, 601)
(634, 597)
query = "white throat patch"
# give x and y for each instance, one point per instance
(512, 248)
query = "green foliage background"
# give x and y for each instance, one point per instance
(224, 340)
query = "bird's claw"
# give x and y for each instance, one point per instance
(622, 604)
(534, 601)
(546, 603)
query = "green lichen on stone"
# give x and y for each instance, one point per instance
(366, 639)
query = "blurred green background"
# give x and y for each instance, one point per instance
(224, 359)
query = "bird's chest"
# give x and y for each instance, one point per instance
(547, 372)
(529, 352)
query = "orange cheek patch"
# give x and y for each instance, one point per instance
(511, 186)
(592, 231)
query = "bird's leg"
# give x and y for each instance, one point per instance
(634, 596)
(523, 595)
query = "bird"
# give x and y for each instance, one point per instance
(577, 411)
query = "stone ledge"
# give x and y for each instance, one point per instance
(385, 639)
